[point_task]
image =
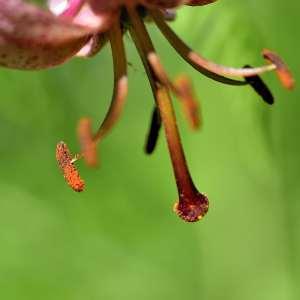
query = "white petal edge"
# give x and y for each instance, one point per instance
(57, 6)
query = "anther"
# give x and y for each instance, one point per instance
(87, 143)
(282, 70)
(153, 133)
(65, 163)
(189, 102)
(260, 87)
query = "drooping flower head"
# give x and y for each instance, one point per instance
(32, 39)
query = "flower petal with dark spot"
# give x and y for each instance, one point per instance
(31, 38)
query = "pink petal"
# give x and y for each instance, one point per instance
(31, 38)
(100, 21)
(93, 46)
(81, 14)
(57, 7)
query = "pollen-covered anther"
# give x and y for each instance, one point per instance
(192, 209)
(284, 74)
(87, 143)
(65, 163)
(189, 101)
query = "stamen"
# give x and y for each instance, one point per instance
(94, 45)
(120, 83)
(190, 104)
(282, 70)
(260, 87)
(192, 205)
(65, 162)
(88, 145)
(208, 68)
(229, 71)
(153, 134)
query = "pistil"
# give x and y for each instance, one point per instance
(192, 205)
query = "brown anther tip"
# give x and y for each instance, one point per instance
(153, 134)
(260, 87)
(189, 101)
(71, 175)
(87, 144)
(282, 70)
(192, 210)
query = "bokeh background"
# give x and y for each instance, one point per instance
(120, 239)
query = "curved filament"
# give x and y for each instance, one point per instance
(120, 83)
(206, 67)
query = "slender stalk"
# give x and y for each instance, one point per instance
(120, 82)
(208, 68)
(182, 90)
(145, 47)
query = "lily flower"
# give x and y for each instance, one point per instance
(32, 38)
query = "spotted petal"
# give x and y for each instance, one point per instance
(31, 38)
(105, 5)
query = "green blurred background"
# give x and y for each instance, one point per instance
(120, 239)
